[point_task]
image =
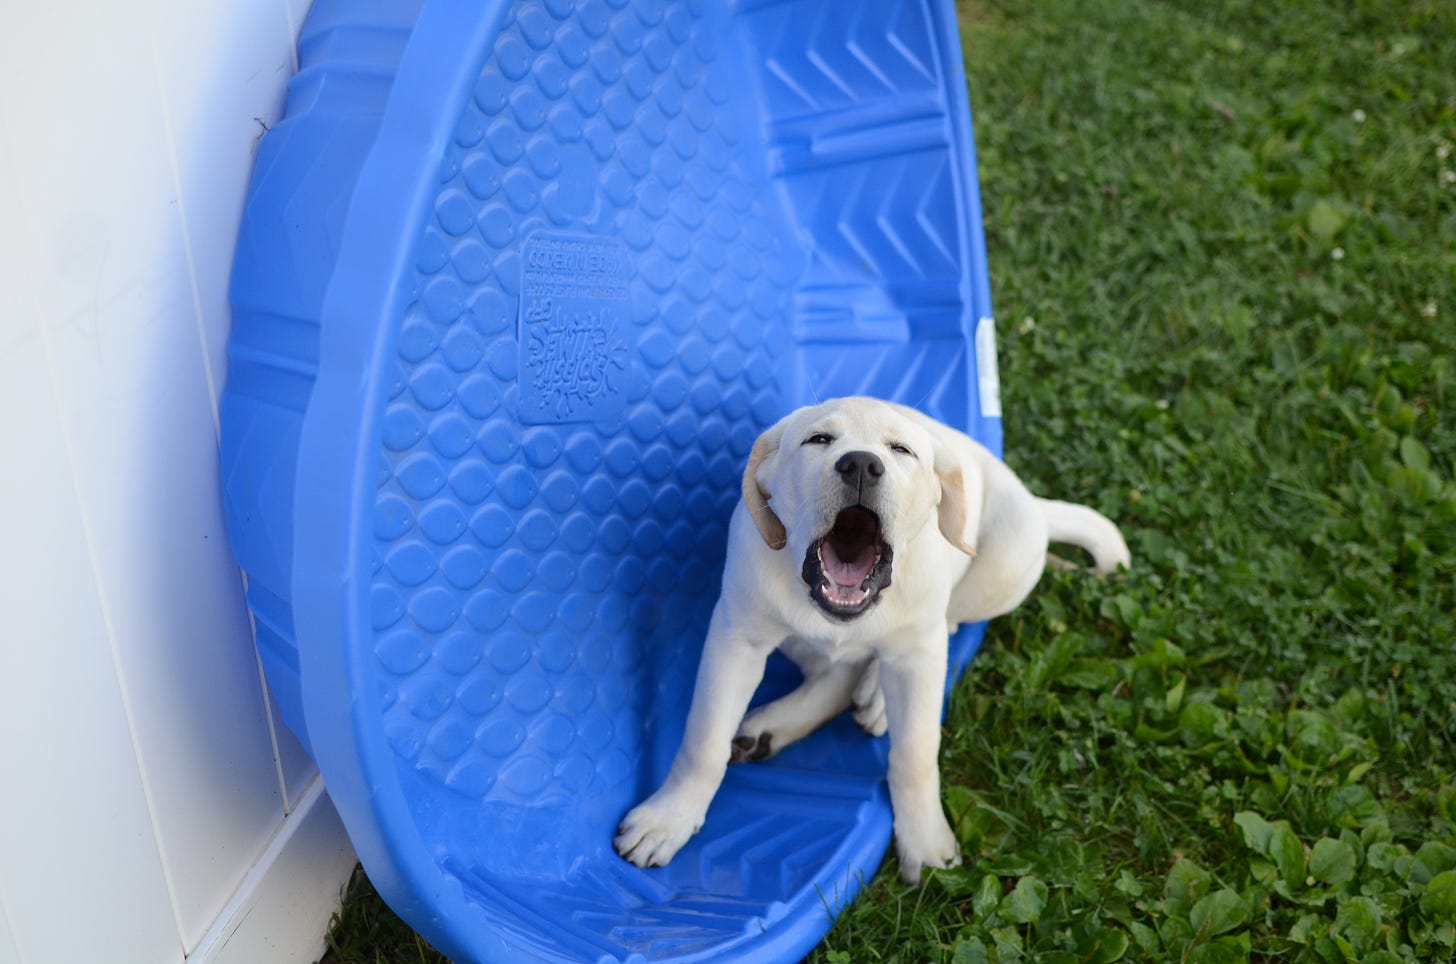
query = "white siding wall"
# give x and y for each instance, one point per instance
(152, 807)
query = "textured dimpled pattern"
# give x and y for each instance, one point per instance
(526, 573)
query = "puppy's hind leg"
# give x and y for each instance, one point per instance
(824, 694)
(1010, 561)
(868, 699)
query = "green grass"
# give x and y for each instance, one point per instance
(1223, 249)
(366, 931)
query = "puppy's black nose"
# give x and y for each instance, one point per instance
(860, 469)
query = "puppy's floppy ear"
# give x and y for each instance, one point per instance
(756, 497)
(961, 492)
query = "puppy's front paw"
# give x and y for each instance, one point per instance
(920, 846)
(654, 831)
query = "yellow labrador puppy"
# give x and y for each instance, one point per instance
(866, 534)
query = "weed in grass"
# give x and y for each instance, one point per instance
(1223, 248)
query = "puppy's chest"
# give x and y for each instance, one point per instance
(808, 650)
(855, 640)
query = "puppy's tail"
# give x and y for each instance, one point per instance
(1088, 528)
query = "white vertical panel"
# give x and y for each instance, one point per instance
(222, 71)
(282, 914)
(109, 266)
(76, 838)
(297, 12)
(9, 953)
(147, 791)
(19, 336)
(297, 767)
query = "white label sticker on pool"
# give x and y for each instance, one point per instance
(988, 373)
(574, 329)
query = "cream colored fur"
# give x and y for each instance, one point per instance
(969, 542)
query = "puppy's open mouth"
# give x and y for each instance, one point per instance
(847, 567)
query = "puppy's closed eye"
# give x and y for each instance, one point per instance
(900, 448)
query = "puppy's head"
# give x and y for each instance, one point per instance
(843, 486)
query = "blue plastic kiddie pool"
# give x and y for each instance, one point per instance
(518, 285)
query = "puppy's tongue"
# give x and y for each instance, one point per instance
(848, 573)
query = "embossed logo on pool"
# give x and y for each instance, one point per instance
(574, 328)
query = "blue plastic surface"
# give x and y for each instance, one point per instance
(518, 285)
